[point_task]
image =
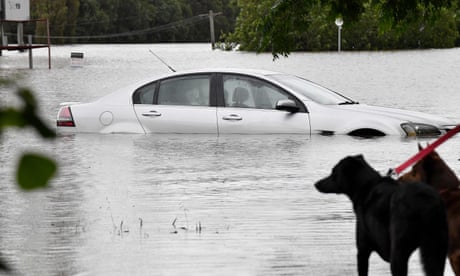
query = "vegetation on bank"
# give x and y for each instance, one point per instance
(279, 26)
(133, 21)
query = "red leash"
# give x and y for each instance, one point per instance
(426, 150)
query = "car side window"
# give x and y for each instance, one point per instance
(190, 90)
(144, 94)
(246, 92)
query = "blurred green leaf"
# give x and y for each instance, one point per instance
(28, 98)
(26, 116)
(30, 113)
(35, 171)
(11, 117)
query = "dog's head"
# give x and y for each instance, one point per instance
(416, 174)
(348, 175)
(433, 170)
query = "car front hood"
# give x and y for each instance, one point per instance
(398, 114)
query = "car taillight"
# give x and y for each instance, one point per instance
(64, 118)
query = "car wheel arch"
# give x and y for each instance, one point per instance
(372, 127)
(367, 132)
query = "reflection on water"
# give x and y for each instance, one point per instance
(197, 204)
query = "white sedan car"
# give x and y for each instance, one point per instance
(240, 101)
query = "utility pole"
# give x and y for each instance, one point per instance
(211, 27)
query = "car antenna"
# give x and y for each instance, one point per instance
(162, 61)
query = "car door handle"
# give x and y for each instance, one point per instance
(151, 113)
(232, 117)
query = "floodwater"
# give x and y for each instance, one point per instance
(200, 204)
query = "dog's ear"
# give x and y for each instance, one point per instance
(354, 162)
(420, 148)
(360, 163)
(359, 157)
(435, 155)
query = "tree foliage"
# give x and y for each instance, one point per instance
(60, 13)
(133, 20)
(279, 26)
(282, 26)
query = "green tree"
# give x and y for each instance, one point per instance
(423, 31)
(62, 16)
(420, 29)
(200, 31)
(93, 20)
(226, 22)
(132, 20)
(281, 26)
(73, 10)
(249, 24)
(131, 15)
(167, 12)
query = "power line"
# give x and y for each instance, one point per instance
(156, 29)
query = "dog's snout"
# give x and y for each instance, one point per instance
(318, 185)
(328, 185)
(322, 185)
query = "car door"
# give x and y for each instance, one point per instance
(250, 108)
(181, 105)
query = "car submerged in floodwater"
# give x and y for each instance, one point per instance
(240, 101)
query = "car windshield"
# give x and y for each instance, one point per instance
(311, 90)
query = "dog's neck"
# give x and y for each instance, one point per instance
(439, 175)
(369, 179)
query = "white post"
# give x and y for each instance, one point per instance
(20, 34)
(339, 23)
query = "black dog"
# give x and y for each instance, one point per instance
(392, 219)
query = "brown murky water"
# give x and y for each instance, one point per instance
(197, 204)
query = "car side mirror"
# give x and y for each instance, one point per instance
(287, 105)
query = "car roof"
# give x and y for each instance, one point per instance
(247, 71)
(244, 71)
(121, 92)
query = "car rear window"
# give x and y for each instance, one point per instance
(190, 90)
(144, 94)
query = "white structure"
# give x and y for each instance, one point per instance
(339, 23)
(18, 12)
(15, 10)
(76, 59)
